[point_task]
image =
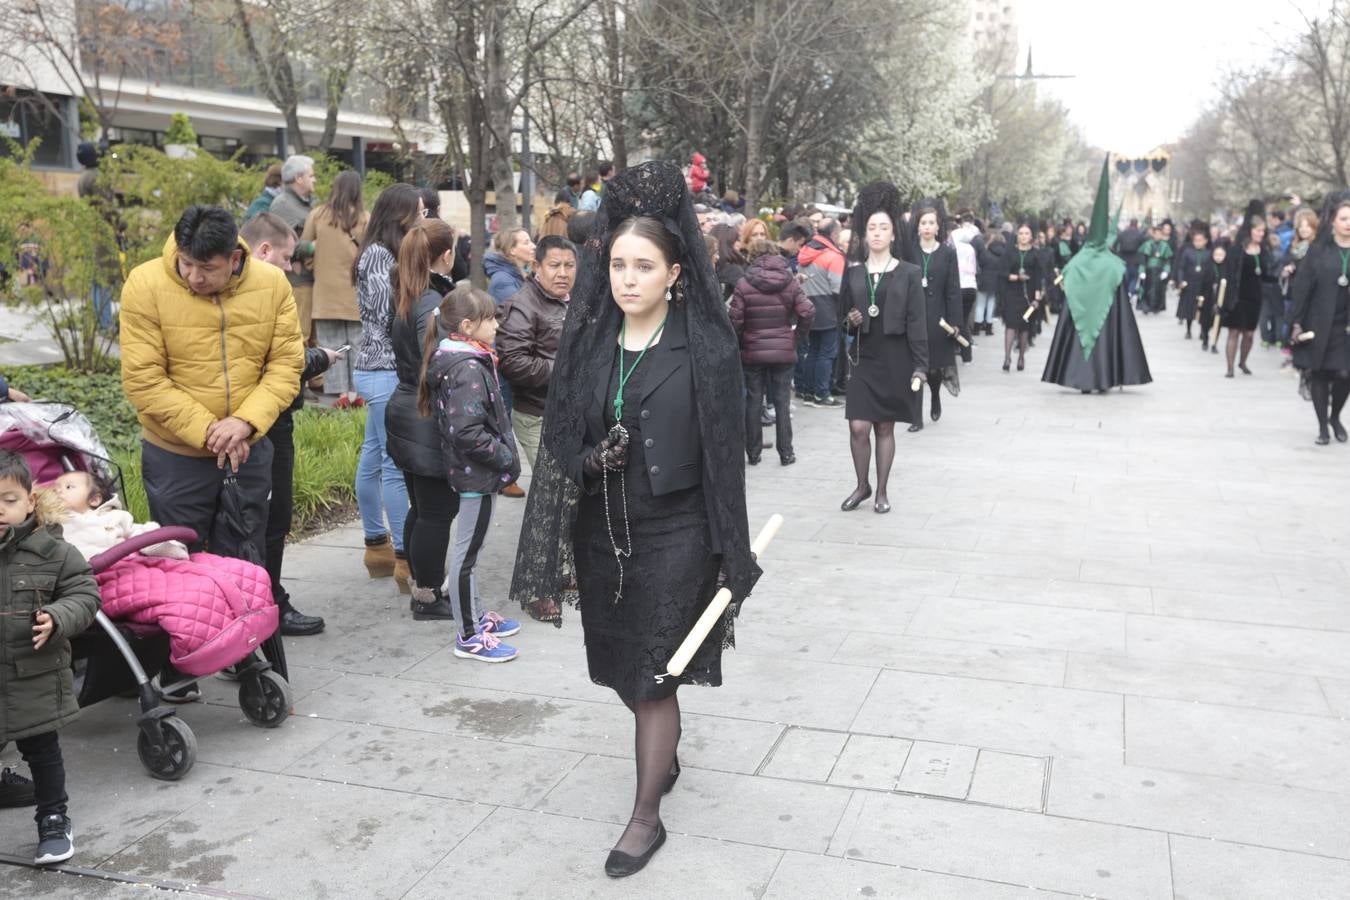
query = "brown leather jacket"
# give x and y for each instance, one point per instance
(527, 343)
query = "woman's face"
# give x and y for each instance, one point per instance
(1220, 255)
(1024, 236)
(1306, 231)
(1258, 234)
(880, 232)
(522, 251)
(1340, 225)
(759, 231)
(639, 275)
(928, 227)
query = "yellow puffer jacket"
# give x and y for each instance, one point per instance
(189, 360)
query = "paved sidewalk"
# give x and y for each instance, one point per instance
(1101, 647)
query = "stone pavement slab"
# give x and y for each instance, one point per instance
(1124, 672)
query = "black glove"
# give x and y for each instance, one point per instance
(610, 454)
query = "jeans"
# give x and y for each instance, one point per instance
(800, 378)
(1132, 277)
(1272, 320)
(100, 298)
(986, 302)
(776, 381)
(380, 490)
(821, 348)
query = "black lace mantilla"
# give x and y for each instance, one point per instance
(544, 575)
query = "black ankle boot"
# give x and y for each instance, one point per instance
(429, 604)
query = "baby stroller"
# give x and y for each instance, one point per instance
(112, 658)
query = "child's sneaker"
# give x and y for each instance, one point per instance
(485, 647)
(15, 790)
(498, 625)
(54, 843)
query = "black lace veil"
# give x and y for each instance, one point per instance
(879, 196)
(543, 570)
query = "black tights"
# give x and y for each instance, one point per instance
(1021, 336)
(1329, 389)
(1247, 338)
(656, 736)
(934, 389)
(860, 444)
(432, 506)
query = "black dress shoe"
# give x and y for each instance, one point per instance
(881, 507)
(1245, 370)
(1323, 438)
(917, 426)
(621, 865)
(752, 460)
(937, 414)
(787, 459)
(852, 500)
(1339, 430)
(1007, 365)
(1021, 363)
(674, 777)
(296, 624)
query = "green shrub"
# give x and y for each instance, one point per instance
(327, 447)
(180, 130)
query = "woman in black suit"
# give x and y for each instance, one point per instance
(1321, 295)
(643, 459)
(940, 279)
(883, 304)
(1020, 285)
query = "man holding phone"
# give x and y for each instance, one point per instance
(270, 240)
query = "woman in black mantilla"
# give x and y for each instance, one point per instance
(1321, 295)
(1019, 286)
(1250, 263)
(940, 279)
(653, 510)
(882, 302)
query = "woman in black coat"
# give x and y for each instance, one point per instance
(940, 278)
(989, 257)
(1250, 265)
(1020, 282)
(425, 259)
(1321, 295)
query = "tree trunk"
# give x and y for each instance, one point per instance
(335, 88)
(499, 113)
(757, 102)
(614, 109)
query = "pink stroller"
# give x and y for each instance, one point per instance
(113, 657)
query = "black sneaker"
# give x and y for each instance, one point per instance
(15, 790)
(54, 843)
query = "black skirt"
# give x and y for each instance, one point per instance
(879, 388)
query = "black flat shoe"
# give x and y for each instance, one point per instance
(1323, 439)
(917, 426)
(1007, 365)
(1339, 430)
(1245, 370)
(852, 500)
(621, 865)
(881, 507)
(752, 460)
(674, 777)
(1021, 363)
(787, 460)
(936, 414)
(1228, 375)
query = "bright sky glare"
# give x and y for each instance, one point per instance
(1146, 69)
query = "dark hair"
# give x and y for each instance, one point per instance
(13, 467)
(394, 213)
(726, 244)
(431, 199)
(829, 228)
(345, 204)
(426, 241)
(574, 180)
(606, 167)
(579, 227)
(795, 231)
(760, 248)
(205, 232)
(552, 242)
(591, 178)
(267, 227)
(464, 302)
(273, 177)
(664, 239)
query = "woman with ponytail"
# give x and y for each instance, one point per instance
(421, 280)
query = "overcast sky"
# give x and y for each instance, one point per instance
(1146, 68)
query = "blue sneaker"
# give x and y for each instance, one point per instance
(54, 841)
(499, 626)
(485, 647)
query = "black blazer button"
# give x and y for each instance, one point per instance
(656, 470)
(649, 443)
(646, 414)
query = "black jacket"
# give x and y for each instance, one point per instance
(471, 421)
(670, 433)
(1314, 308)
(412, 440)
(316, 363)
(903, 309)
(943, 301)
(989, 256)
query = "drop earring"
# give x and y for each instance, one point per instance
(667, 295)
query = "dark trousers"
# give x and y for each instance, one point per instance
(185, 490)
(821, 349)
(42, 752)
(281, 509)
(432, 507)
(469, 539)
(776, 381)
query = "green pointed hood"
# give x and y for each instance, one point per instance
(1094, 273)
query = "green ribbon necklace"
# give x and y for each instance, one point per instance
(926, 258)
(1344, 280)
(624, 375)
(1021, 262)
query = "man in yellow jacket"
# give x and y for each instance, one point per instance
(211, 355)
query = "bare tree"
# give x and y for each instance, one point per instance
(1317, 68)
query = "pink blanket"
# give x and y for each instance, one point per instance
(216, 610)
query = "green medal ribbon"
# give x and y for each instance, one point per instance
(1021, 262)
(926, 258)
(1257, 254)
(625, 375)
(1345, 267)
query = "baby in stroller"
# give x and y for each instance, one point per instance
(92, 518)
